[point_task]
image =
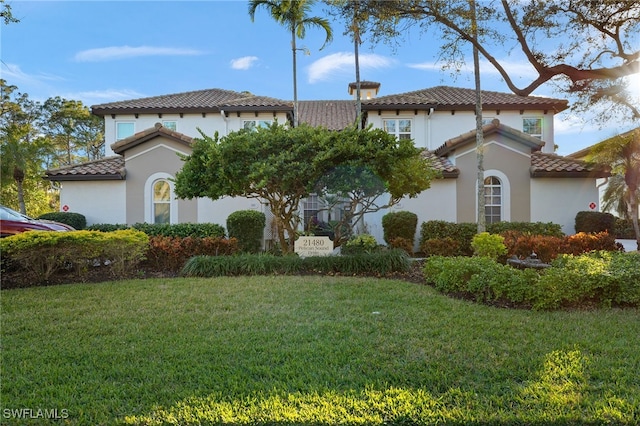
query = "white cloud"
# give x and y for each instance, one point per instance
(14, 75)
(243, 63)
(93, 97)
(343, 62)
(123, 52)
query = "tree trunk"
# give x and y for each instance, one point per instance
(295, 78)
(482, 226)
(18, 176)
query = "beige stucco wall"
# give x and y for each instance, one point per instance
(504, 160)
(559, 200)
(156, 158)
(99, 201)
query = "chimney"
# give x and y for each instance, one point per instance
(368, 89)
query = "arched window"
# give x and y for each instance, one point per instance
(493, 201)
(161, 201)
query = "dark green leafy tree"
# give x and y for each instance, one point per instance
(22, 150)
(373, 171)
(294, 15)
(586, 48)
(622, 155)
(75, 133)
(281, 166)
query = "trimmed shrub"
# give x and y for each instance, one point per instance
(460, 232)
(598, 278)
(440, 247)
(623, 229)
(481, 278)
(585, 242)
(183, 230)
(594, 222)
(247, 226)
(171, 253)
(402, 244)
(402, 224)
(488, 245)
(41, 254)
(363, 243)
(76, 220)
(535, 228)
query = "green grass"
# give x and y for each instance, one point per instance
(308, 350)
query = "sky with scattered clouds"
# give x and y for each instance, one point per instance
(105, 51)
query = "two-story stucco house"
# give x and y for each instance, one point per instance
(524, 179)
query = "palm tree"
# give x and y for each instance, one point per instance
(293, 14)
(622, 154)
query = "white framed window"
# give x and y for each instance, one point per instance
(532, 127)
(310, 207)
(124, 129)
(254, 124)
(492, 199)
(171, 125)
(161, 201)
(160, 204)
(399, 127)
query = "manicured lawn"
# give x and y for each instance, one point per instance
(308, 350)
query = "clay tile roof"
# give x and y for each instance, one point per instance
(209, 100)
(147, 134)
(494, 127)
(442, 164)
(333, 115)
(108, 168)
(448, 98)
(552, 165)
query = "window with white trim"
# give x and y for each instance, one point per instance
(161, 201)
(254, 124)
(492, 199)
(124, 129)
(310, 207)
(399, 127)
(171, 125)
(532, 127)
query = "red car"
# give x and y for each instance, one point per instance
(13, 222)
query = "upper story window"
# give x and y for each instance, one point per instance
(161, 201)
(171, 125)
(401, 128)
(532, 127)
(124, 129)
(492, 199)
(254, 124)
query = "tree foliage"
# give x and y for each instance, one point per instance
(587, 48)
(5, 13)
(622, 155)
(281, 166)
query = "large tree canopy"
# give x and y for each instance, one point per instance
(588, 48)
(281, 166)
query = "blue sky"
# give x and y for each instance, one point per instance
(104, 51)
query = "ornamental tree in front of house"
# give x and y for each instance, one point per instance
(280, 166)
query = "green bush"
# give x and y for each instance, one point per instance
(594, 222)
(597, 278)
(41, 254)
(76, 220)
(247, 226)
(488, 245)
(379, 263)
(462, 233)
(481, 278)
(363, 243)
(200, 230)
(401, 224)
(600, 278)
(534, 228)
(623, 229)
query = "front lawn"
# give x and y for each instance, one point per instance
(307, 350)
